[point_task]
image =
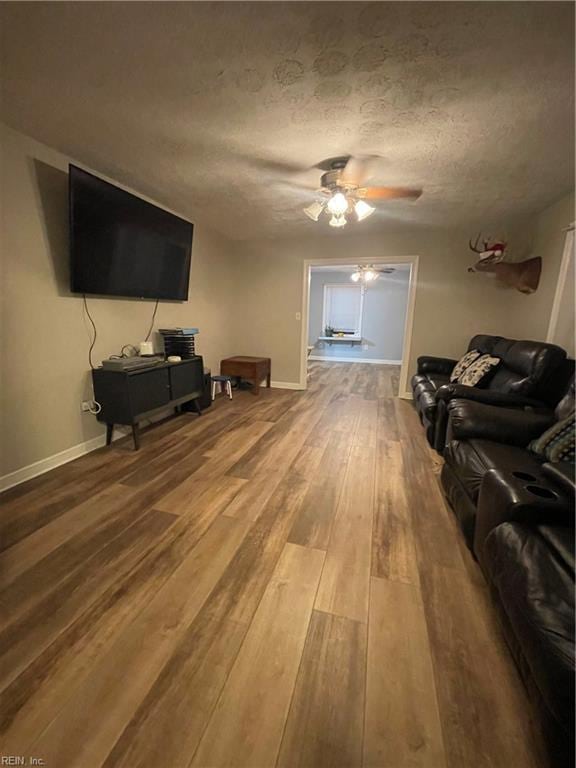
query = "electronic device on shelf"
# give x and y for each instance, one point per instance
(131, 363)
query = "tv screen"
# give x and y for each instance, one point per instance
(120, 245)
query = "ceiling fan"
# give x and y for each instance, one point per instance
(343, 190)
(367, 273)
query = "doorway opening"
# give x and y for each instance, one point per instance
(353, 317)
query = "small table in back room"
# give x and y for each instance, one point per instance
(253, 369)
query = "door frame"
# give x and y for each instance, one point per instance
(413, 261)
(563, 276)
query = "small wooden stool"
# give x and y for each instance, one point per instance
(253, 369)
(225, 384)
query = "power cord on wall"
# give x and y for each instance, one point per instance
(95, 406)
(152, 321)
(126, 346)
(93, 341)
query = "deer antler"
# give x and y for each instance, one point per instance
(475, 246)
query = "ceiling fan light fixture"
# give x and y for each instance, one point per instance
(363, 210)
(314, 210)
(370, 275)
(338, 205)
(338, 221)
(355, 276)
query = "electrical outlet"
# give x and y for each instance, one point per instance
(86, 405)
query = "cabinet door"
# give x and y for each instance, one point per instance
(186, 379)
(148, 390)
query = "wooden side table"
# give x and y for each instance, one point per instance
(253, 369)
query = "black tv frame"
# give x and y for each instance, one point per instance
(129, 195)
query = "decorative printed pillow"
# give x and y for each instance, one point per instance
(479, 371)
(463, 363)
(558, 442)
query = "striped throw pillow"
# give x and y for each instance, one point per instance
(558, 442)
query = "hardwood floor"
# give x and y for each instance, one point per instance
(277, 583)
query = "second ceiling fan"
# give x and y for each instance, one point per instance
(343, 190)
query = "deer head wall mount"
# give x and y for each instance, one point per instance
(522, 275)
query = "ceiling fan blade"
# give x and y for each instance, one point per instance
(388, 193)
(359, 169)
(294, 186)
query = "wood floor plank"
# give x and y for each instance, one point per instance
(195, 494)
(324, 727)
(393, 550)
(434, 528)
(97, 713)
(313, 522)
(273, 486)
(262, 679)
(28, 704)
(23, 640)
(41, 542)
(176, 710)
(402, 726)
(344, 586)
(483, 710)
(31, 586)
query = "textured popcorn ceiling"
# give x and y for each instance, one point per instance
(217, 109)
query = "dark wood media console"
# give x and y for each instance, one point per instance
(128, 397)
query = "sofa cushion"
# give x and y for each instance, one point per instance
(471, 459)
(532, 569)
(527, 366)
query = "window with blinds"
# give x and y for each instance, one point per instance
(343, 308)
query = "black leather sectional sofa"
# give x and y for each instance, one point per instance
(516, 511)
(526, 376)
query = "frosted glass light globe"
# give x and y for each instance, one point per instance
(338, 204)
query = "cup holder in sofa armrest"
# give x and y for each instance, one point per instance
(541, 492)
(507, 496)
(525, 476)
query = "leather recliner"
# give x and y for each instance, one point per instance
(480, 438)
(525, 377)
(528, 561)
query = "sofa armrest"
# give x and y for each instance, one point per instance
(513, 426)
(427, 364)
(488, 396)
(514, 497)
(561, 474)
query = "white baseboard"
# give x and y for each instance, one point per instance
(285, 385)
(45, 465)
(63, 457)
(375, 361)
(406, 396)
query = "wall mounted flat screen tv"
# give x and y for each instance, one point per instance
(121, 245)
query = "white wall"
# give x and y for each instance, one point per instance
(45, 337)
(383, 319)
(549, 243)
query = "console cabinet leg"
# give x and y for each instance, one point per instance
(197, 408)
(109, 433)
(136, 436)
